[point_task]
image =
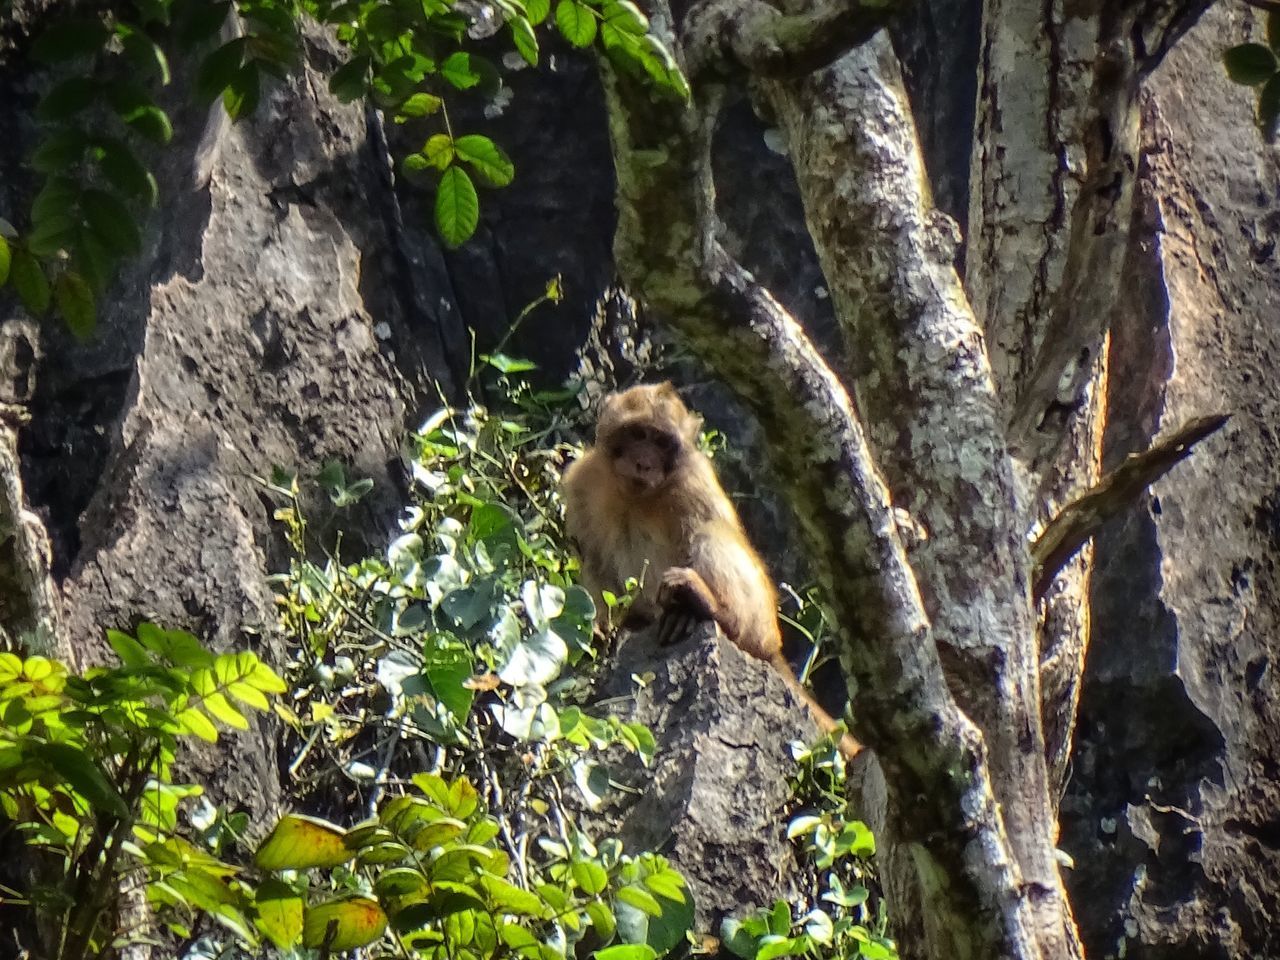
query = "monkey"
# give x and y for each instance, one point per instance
(643, 500)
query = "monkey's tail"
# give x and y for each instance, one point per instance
(827, 723)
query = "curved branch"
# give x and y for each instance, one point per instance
(731, 36)
(1079, 520)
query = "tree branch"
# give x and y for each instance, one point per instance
(1079, 520)
(1132, 38)
(732, 36)
(977, 899)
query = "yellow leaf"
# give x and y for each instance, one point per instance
(300, 842)
(343, 924)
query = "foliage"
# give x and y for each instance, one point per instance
(430, 875)
(1257, 65)
(460, 641)
(835, 849)
(102, 121)
(85, 765)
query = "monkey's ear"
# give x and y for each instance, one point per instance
(667, 389)
(692, 426)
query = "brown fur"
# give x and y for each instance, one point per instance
(644, 502)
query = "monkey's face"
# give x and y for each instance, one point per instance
(646, 432)
(643, 455)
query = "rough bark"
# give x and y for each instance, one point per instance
(1171, 811)
(974, 899)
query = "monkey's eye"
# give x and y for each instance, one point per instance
(664, 441)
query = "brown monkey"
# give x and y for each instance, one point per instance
(645, 501)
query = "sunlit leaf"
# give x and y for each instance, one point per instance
(590, 877)
(484, 157)
(300, 842)
(627, 951)
(576, 22)
(279, 913)
(457, 208)
(343, 924)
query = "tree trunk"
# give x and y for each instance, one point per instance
(292, 307)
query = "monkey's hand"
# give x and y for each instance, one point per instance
(686, 600)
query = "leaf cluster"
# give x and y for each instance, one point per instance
(427, 875)
(85, 764)
(101, 121)
(1258, 65)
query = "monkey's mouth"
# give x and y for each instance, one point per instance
(642, 485)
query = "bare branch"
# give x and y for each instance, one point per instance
(1271, 6)
(730, 36)
(1079, 520)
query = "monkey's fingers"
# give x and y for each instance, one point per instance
(674, 626)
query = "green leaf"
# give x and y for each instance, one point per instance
(641, 899)
(446, 670)
(68, 98)
(125, 172)
(602, 919)
(625, 16)
(576, 22)
(348, 81)
(780, 918)
(590, 877)
(144, 52)
(279, 913)
(525, 40)
(300, 842)
(56, 197)
(51, 235)
(458, 71)
(419, 105)
(30, 283)
(91, 259)
(59, 151)
(194, 722)
(75, 301)
(343, 924)
(486, 159)
(219, 68)
(112, 222)
(242, 94)
(1269, 108)
(782, 947)
(1250, 64)
(79, 770)
(457, 207)
(508, 898)
(438, 151)
(537, 10)
(70, 38)
(627, 951)
(667, 884)
(151, 122)
(6, 258)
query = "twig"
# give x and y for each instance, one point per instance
(1271, 6)
(1079, 520)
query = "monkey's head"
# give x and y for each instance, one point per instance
(647, 433)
